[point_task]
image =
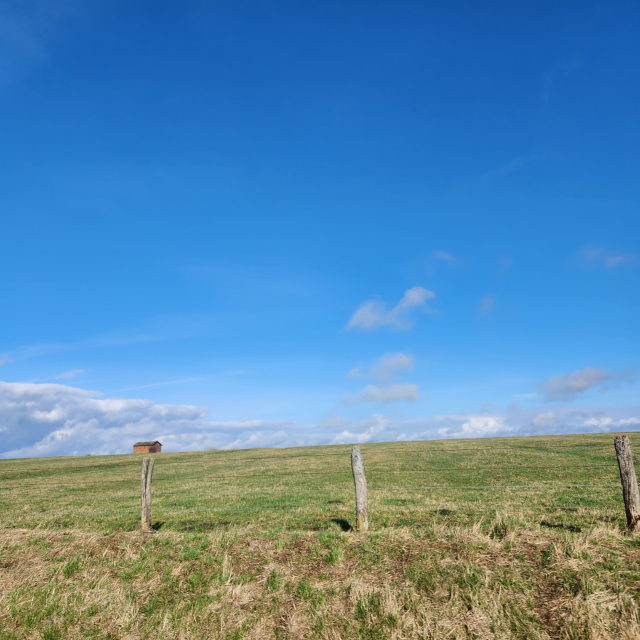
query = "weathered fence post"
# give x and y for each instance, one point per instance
(362, 504)
(147, 474)
(629, 482)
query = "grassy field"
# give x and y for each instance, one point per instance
(492, 538)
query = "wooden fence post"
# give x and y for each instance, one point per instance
(147, 474)
(629, 482)
(362, 504)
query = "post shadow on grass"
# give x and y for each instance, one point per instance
(343, 524)
(190, 525)
(156, 526)
(567, 527)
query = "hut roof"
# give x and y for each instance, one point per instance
(147, 443)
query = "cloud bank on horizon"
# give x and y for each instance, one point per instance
(53, 419)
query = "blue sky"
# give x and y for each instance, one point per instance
(298, 223)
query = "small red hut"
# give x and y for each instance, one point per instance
(153, 446)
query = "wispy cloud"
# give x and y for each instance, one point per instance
(387, 367)
(599, 256)
(515, 164)
(28, 27)
(374, 313)
(486, 305)
(445, 256)
(566, 387)
(19, 38)
(4, 359)
(69, 375)
(560, 71)
(390, 365)
(385, 395)
(238, 372)
(162, 384)
(504, 170)
(97, 342)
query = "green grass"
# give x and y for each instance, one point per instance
(257, 544)
(305, 487)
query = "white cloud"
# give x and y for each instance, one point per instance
(54, 419)
(469, 426)
(4, 359)
(482, 426)
(390, 365)
(486, 305)
(68, 375)
(442, 255)
(378, 425)
(604, 423)
(566, 387)
(628, 422)
(373, 313)
(385, 395)
(354, 373)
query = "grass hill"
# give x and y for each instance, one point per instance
(492, 538)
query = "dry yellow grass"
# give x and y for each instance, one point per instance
(435, 582)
